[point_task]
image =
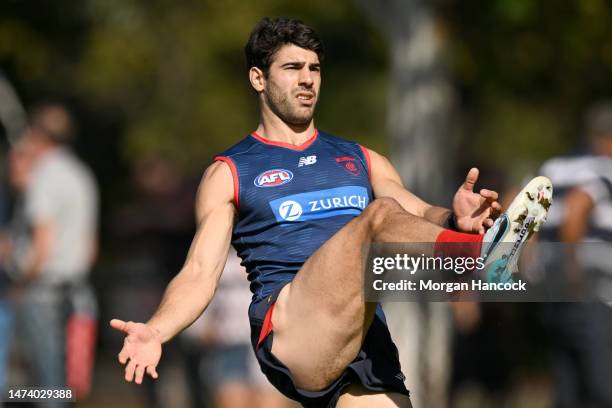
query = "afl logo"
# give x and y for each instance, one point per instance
(273, 178)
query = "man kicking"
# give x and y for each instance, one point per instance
(300, 206)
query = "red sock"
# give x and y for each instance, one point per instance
(458, 244)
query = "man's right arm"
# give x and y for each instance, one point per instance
(190, 292)
(192, 289)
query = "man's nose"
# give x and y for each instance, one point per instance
(306, 77)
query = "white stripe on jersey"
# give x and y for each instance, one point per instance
(593, 174)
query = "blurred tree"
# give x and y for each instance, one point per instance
(420, 105)
(421, 98)
(178, 72)
(172, 74)
(161, 77)
(526, 70)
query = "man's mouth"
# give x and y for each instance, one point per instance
(306, 98)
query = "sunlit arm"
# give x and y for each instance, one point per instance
(190, 292)
(386, 182)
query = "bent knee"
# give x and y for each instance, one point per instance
(378, 211)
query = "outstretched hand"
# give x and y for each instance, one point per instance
(141, 349)
(474, 212)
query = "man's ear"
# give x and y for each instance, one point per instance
(257, 78)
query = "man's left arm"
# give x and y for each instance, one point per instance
(40, 209)
(386, 182)
(38, 251)
(471, 211)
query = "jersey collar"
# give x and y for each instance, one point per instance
(290, 146)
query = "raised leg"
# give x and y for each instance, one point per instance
(321, 318)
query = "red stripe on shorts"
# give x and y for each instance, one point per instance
(266, 329)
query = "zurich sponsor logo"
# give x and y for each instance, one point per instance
(273, 178)
(290, 210)
(349, 200)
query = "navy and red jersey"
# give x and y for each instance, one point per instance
(292, 199)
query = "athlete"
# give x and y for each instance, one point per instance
(299, 205)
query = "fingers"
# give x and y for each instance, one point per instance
(496, 210)
(133, 371)
(485, 220)
(152, 372)
(139, 373)
(123, 356)
(136, 372)
(129, 371)
(470, 179)
(119, 325)
(489, 197)
(489, 194)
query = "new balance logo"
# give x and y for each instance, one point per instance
(307, 161)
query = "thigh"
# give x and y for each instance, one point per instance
(320, 318)
(356, 396)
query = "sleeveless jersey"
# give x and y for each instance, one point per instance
(593, 175)
(291, 199)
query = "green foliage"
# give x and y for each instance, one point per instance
(176, 70)
(527, 69)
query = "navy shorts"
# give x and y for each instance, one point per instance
(376, 366)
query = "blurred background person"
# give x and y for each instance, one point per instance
(12, 121)
(6, 309)
(152, 231)
(19, 166)
(581, 218)
(6, 330)
(222, 371)
(54, 247)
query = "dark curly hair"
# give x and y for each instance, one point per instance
(269, 35)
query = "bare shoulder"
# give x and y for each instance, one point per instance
(381, 166)
(218, 172)
(216, 188)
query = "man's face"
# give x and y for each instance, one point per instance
(21, 160)
(292, 86)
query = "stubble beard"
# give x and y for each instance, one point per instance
(281, 104)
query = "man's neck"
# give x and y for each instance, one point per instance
(44, 149)
(275, 129)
